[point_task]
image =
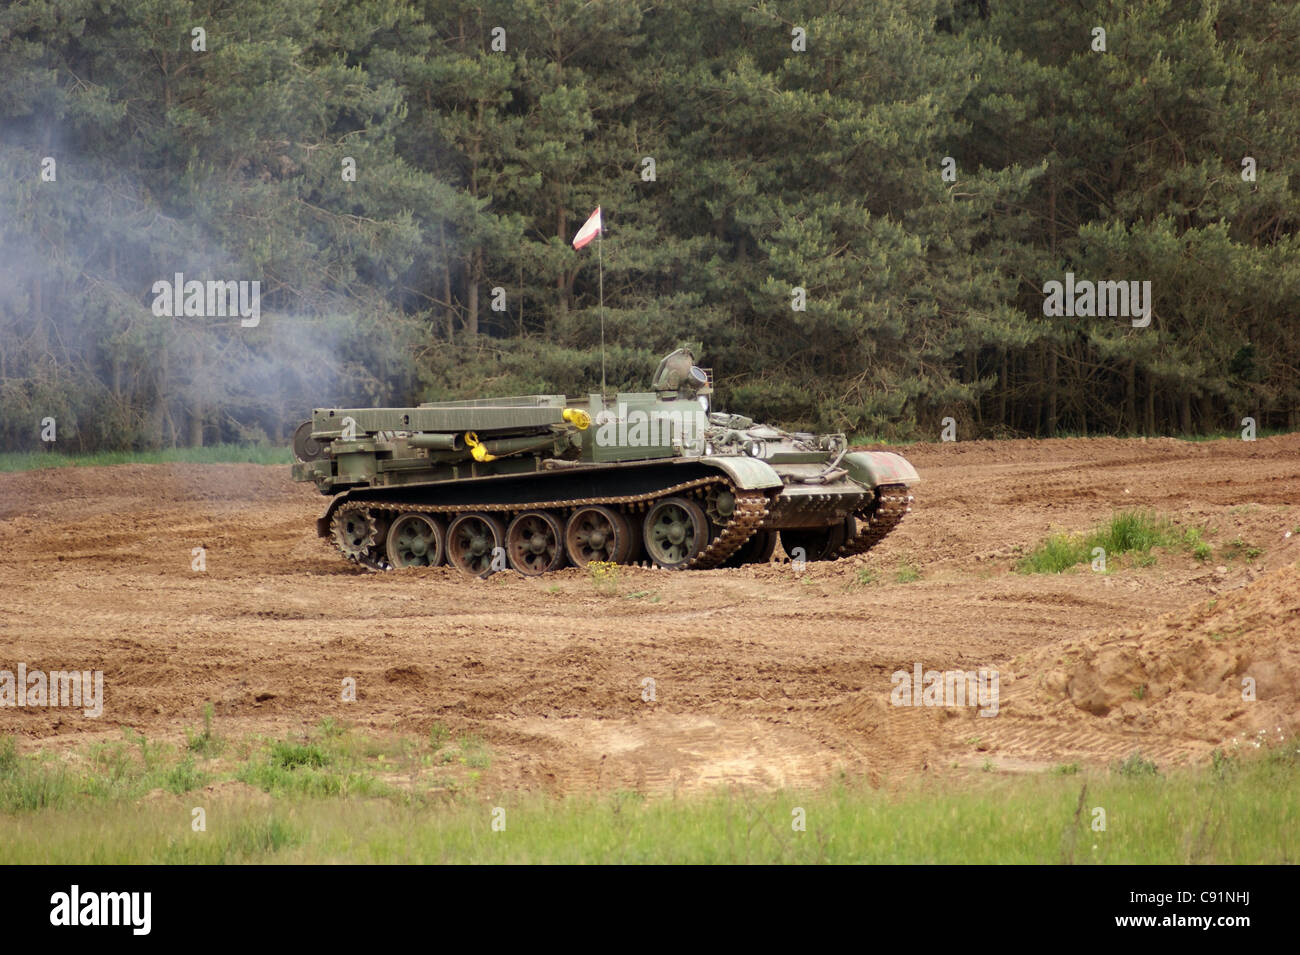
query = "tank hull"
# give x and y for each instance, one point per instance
(538, 482)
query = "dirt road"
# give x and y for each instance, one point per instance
(761, 676)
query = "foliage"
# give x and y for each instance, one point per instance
(775, 168)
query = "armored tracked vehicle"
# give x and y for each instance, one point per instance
(540, 482)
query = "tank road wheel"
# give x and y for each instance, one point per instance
(471, 539)
(535, 543)
(355, 532)
(416, 540)
(757, 550)
(819, 543)
(636, 545)
(720, 505)
(597, 534)
(676, 530)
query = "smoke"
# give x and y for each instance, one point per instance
(79, 339)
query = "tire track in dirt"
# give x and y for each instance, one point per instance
(764, 677)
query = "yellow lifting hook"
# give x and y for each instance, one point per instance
(479, 452)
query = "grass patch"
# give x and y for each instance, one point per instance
(332, 762)
(1193, 538)
(205, 743)
(862, 577)
(107, 773)
(213, 454)
(1127, 532)
(907, 573)
(1136, 766)
(1239, 548)
(1234, 810)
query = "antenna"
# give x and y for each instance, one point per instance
(601, 266)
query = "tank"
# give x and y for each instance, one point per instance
(539, 482)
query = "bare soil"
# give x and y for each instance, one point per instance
(763, 676)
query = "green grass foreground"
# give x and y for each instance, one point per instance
(321, 800)
(213, 454)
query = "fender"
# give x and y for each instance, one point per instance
(874, 468)
(750, 474)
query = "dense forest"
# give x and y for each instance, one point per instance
(855, 206)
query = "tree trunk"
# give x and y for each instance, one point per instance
(196, 425)
(972, 373)
(1130, 399)
(446, 284)
(158, 414)
(1036, 406)
(1150, 428)
(471, 308)
(1051, 391)
(1002, 397)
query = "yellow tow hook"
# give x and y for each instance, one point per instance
(479, 452)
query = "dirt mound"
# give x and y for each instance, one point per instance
(1228, 668)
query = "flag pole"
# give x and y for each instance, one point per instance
(600, 262)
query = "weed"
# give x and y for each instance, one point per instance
(473, 752)
(330, 728)
(205, 743)
(1193, 539)
(1135, 767)
(1239, 548)
(183, 777)
(1135, 532)
(438, 736)
(8, 755)
(1222, 763)
(287, 755)
(604, 577)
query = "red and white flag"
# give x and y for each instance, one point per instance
(589, 230)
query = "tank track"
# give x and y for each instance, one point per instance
(750, 512)
(875, 521)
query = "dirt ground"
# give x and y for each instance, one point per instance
(763, 676)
